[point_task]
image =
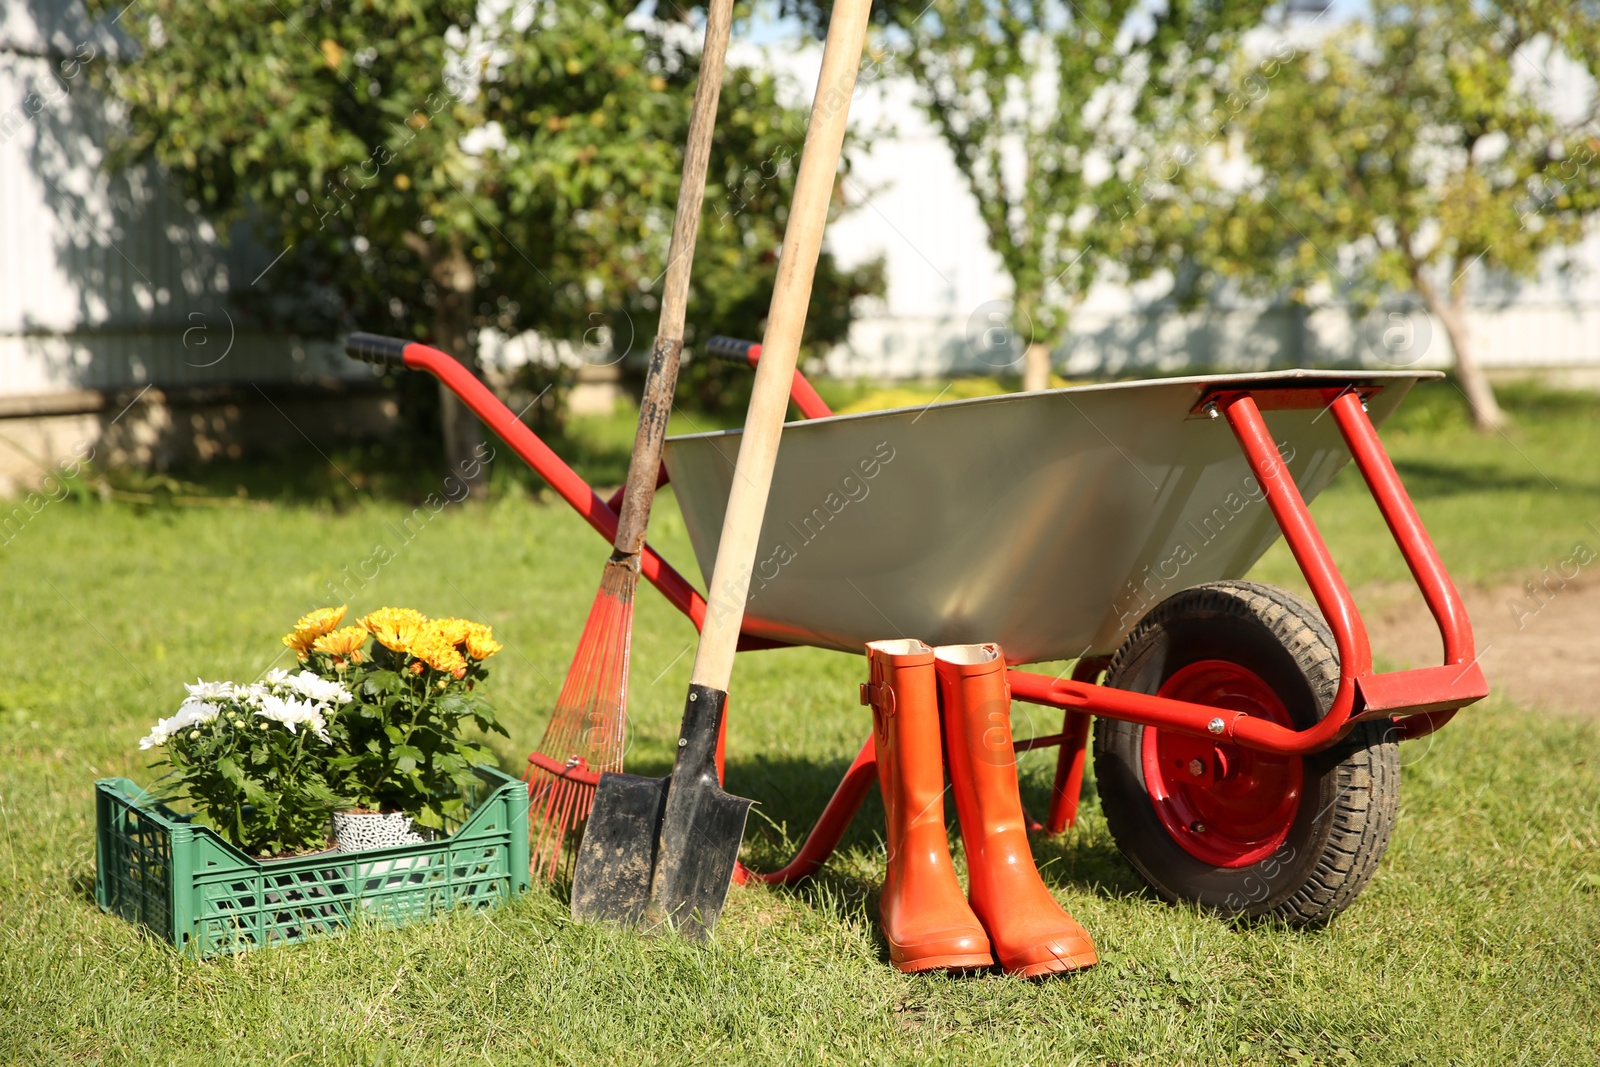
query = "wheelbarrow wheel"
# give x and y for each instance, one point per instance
(1241, 832)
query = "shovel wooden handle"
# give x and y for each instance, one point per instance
(655, 406)
(780, 348)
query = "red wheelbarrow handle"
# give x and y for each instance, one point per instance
(411, 355)
(733, 350)
(601, 514)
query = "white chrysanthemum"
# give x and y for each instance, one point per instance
(293, 713)
(325, 694)
(251, 695)
(191, 712)
(319, 690)
(203, 690)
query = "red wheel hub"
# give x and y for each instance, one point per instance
(1225, 805)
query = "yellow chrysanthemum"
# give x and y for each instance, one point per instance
(321, 621)
(454, 631)
(345, 643)
(312, 626)
(300, 641)
(436, 652)
(480, 642)
(394, 618)
(395, 628)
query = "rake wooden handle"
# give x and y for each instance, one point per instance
(780, 348)
(655, 406)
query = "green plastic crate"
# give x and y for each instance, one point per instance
(190, 886)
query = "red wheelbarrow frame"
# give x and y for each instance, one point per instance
(1416, 702)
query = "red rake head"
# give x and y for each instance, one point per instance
(585, 735)
(559, 798)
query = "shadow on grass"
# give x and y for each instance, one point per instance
(1430, 479)
(1068, 861)
(81, 886)
(791, 794)
(399, 471)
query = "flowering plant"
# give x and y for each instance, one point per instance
(378, 728)
(254, 758)
(399, 745)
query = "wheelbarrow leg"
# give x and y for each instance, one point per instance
(1069, 772)
(1071, 755)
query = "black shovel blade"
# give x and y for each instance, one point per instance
(663, 850)
(617, 859)
(701, 830)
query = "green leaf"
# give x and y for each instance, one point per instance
(378, 683)
(230, 772)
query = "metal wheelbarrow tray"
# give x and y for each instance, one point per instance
(1244, 743)
(1048, 522)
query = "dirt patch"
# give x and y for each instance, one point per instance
(1541, 649)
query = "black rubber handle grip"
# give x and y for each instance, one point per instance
(375, 348)
(730, 349)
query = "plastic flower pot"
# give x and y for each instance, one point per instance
(362, 831)
(357, 831)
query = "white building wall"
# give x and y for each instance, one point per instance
(109, 282)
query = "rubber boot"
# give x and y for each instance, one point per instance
(926, 918)
(1030, 933)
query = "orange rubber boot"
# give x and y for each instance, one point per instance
(926, 919)
(1031, 934)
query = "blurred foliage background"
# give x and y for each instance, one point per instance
(431, 170)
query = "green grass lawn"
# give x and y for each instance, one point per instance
(1476, 943)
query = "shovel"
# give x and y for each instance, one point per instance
(661, 851)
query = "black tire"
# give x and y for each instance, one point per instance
(1349, 794)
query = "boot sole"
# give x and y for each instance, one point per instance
(1063, 965)
(968, 962)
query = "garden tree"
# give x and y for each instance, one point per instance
(431, 169)
(1416, 145)
(1060, 115)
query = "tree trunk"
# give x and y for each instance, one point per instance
(1036, 367)
(455, 283)
(1486, 413)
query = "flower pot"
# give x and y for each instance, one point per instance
(357, 831)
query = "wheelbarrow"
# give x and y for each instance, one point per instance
(1245, 746)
